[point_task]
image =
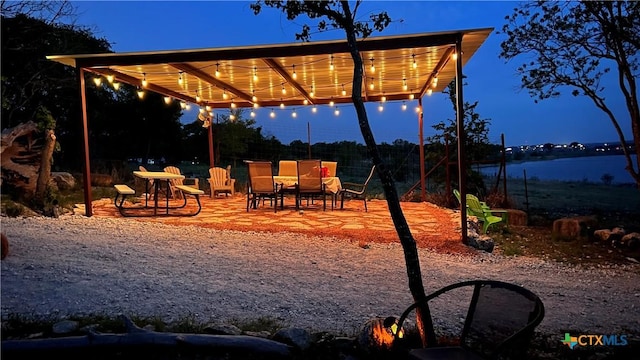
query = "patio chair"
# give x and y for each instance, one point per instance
(332, 167)
(499, 323)
(310, 182)
(175, 193)
(149, 182)
(220, 181)
(484, 213)
(287, 168)
(261, 185)
(456, 193)
(355, 190)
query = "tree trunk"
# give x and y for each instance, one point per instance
(44, 173)
(423, 315)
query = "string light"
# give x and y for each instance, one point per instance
(281, 104)
(140, 93)
(305, 101)
(255, 105)
(233, 104)
(434, 82)
(208, 108)
(232, 117)
(183, 105)
(254, 98)
(404, 106)
(225, 96)
(415, 65)
(380, 107)
(252, 114)
(272, 114)
(116, 86)
(197, 97)
(404, 84)
(344, 92)
(97, 81)
(454, 56)
(384, 98)
(417, 109)
(284, 91)
(144, 80)
(295, 76)
(255, 74)
(411, 96)
(331, 67)
(217, 70)
(429, 92)
(110, 78)
(188, 107)
(180, 80)
(167, 100)
(331, 103)
(373, 68)
(311, 94)
(371, 85)
(201, 110)
(337, 112)
(314, 109)
(294, 114)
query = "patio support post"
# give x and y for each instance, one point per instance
(423, 191)
(86, 172)
(212, 160)
(462, 176)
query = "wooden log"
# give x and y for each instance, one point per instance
(151, 344)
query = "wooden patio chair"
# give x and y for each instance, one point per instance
(148, 183)
(175, 193)
(220, 181)
(356, 190)
(261, 185)
(499, 323)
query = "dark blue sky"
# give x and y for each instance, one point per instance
(166, 25)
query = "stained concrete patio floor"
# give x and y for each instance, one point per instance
(431, 226)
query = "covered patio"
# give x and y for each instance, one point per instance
(396, 68)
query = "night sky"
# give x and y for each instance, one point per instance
(166, 25)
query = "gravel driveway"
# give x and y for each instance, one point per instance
(79, 265)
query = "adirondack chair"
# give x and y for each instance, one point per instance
(176, 194)
(484, 205)
(486, 215)
(220, 181)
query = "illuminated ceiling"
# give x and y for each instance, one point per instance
(291, 74)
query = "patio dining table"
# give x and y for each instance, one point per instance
(331, 183)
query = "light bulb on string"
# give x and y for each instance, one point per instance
(272, 114)
(411, 96)
(314, 109)
(295, 76)
(225, 96)
(305, 102)
(217, 70)
(252, 114)
(167, 100)
(281, 105)
(337, 111)
(254, 98)
(255, 105)
(255, 74)
(311, 93)
(188, 107)
(371, 85)
(380, 107)
(344, 92)
(197, 97)
(110, 78)
(140, 93)
(331, 67)
(180, 79)
(415, 65)
(384, 98)
(232, 117)
(116, 86)
(404, 106)
(331, 102)
(183, 105)
(434, 82)
(233, 104)
(454, 56)
(97, 80)
(284, 91)
(404, 84)
(144, 80)
(429, 92)
(294, 114)
(372, 68)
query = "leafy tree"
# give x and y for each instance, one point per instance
(575, 44)
(477, 147)
(339, 15)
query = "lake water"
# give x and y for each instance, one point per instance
(589, 168)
